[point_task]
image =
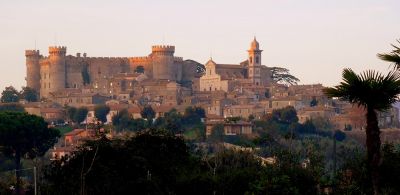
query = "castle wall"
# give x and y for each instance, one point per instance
(145, 62)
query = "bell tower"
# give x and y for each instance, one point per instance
(254, 70)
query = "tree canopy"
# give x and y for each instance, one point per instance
(282, 75)
(24, 135)
(101, 111)
(10, 94)
(80, 114)
(148, 113)
(393, 56)
(29, 94)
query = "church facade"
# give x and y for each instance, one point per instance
(228, 77)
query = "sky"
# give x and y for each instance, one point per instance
(314, 39)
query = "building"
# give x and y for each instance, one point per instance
(227, 77)
(59, 71)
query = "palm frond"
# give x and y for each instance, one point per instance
(393, 56)
(368, 89)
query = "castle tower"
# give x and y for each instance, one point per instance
(163, 63)
(33, 69)
(53, 71)
(254, 71)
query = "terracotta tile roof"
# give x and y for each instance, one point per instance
(163, 108)
(74, 132)
(134, 109)
(51, 110)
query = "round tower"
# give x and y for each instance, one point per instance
(163, 63)
(33, 69)
(57, 74)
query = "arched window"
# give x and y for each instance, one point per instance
(251, 59)
(257, 60)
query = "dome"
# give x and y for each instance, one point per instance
(254, 45)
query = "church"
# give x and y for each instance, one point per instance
(229, 77)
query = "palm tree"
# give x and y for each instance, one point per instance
(374, 92)
(393, 56)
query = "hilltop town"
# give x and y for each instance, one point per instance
(170, 104)
(165, 82)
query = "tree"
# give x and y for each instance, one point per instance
(10, 94)
(173, 121)
(71, 111)
(193, 115)
(313, 102)
(80, 115)
(282, 75)
(286, 115)
(148, 113)
(85, 75)
(101, 112)
(393, 56)
(29, 94)
(24, 136)
(139, 69)
(217, 133)
(122, 119)
(12, 107)
(374, 92)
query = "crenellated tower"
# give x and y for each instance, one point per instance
(254, 71)
(163, 63)
(53, 72)
(33, 69)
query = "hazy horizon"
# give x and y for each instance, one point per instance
(314, 40)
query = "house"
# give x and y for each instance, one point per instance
(52, 114)
(76, 136)
(230, 127)
(244, 111)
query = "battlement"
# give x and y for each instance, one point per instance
(139, 59)
(179, 59)
(107, 58)
(29, 53)
(163, 48)
(58, 50)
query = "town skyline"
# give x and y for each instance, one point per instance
(346, 34)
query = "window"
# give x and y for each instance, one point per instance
(257, 60)
(251, 60)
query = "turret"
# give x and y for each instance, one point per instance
(166, 50)
(33, 69)
(164, 66)
(53, 78)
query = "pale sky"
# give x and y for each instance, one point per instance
(314, 39)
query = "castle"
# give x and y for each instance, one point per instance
(160, 76)
(58, 71)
